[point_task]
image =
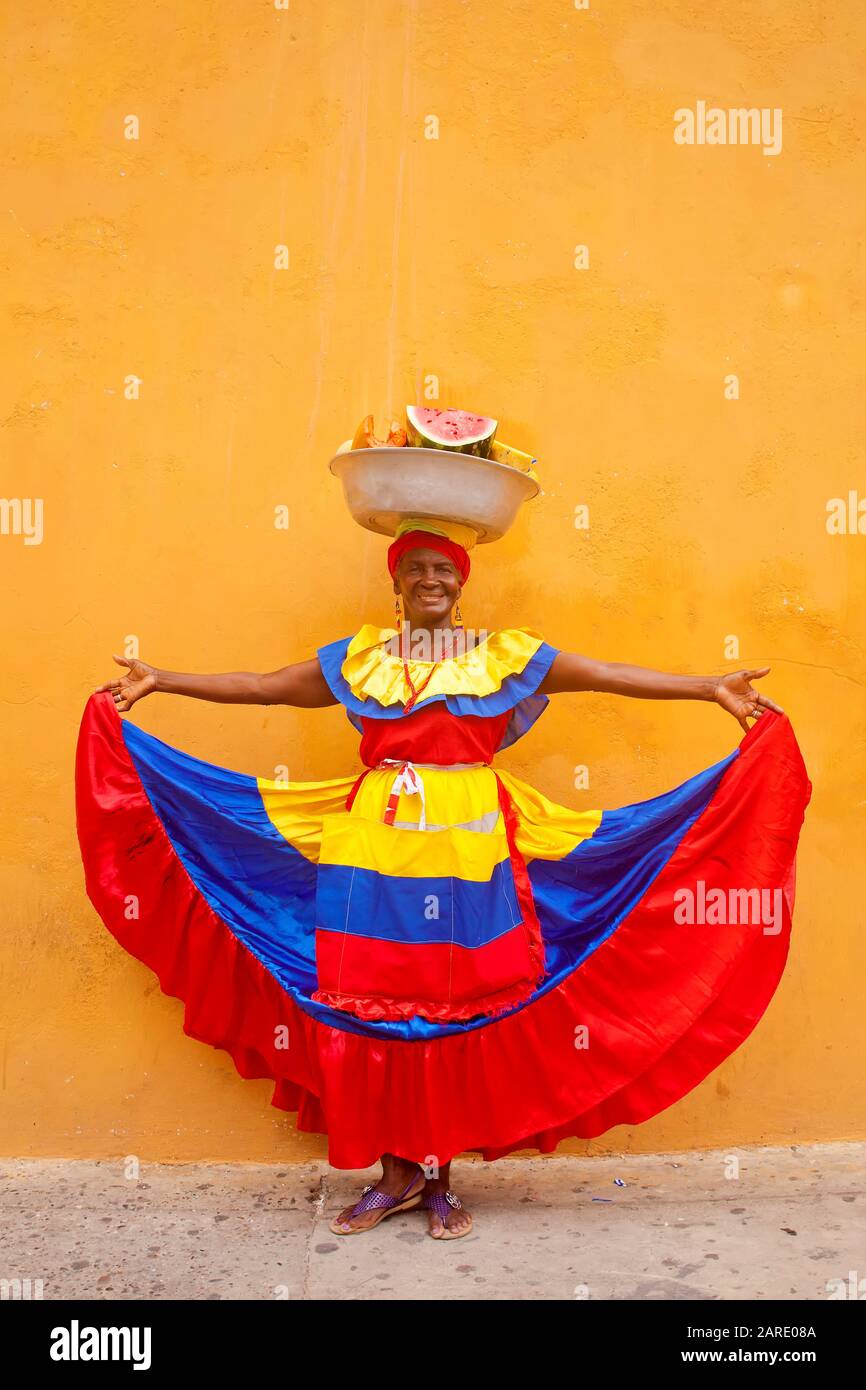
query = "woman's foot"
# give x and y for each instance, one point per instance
(400, 1180)
(447, 1218)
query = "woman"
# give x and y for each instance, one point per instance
(433, 957)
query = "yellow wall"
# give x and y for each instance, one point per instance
(409, 257)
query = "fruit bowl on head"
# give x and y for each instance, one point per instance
(386, 485)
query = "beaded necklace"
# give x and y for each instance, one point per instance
(409, 681)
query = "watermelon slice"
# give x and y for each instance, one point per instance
(459, 431)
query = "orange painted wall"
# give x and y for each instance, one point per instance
(412, 257)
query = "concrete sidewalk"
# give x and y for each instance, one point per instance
(793, 1221)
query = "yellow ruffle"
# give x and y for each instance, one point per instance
(373, 673)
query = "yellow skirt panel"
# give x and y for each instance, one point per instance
(462, 798)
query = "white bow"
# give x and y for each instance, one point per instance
(409, 781)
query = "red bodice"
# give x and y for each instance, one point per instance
(433, 735)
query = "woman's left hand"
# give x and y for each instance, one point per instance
(736, 694)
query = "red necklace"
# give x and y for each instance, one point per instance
(409, 681)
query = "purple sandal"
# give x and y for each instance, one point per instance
(441, 1203)
(380, 1202)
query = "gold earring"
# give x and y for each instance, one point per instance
(458, 616)
(398, 612)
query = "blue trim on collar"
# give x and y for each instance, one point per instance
(518, 693)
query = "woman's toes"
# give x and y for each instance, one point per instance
(347, 1222)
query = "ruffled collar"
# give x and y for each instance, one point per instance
(373, 672)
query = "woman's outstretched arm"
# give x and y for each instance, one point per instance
(301, 684)
(734, 691)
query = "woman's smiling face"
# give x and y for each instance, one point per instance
(429, 584)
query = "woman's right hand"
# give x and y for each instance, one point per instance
(139, 681)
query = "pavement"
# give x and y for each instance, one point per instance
(769, 1223)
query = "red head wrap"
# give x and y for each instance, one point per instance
(413, 540)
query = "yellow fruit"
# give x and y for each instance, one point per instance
(366, 437)
(512, 458)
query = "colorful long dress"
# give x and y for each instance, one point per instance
(432, 957)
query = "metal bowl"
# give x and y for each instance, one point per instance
(385, 486)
